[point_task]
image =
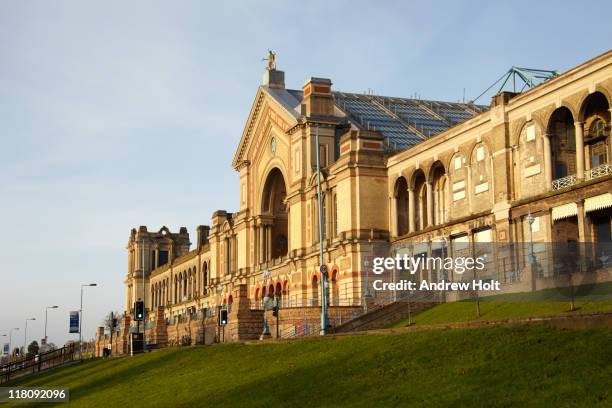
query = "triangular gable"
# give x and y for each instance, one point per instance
(284, 116)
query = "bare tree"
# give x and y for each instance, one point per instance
(110, 322)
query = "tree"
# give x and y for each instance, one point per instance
(111, 322)
(33, 349)
(44, 348)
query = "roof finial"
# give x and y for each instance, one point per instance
(271, 60)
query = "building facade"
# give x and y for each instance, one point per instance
(397, 175)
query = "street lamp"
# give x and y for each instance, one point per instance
(25, 334)
(81, 320)
(219, 288)
(46, 310)
(11, 337)
(266, 328)
(530, 221)
(323, 267)
(366, 292)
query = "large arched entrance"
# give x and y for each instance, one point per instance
(274, 211)
(563, 143)
(595, 115)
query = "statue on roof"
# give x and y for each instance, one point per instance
(271, 60)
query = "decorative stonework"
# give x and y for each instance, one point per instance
(541, 116)
(574, 102)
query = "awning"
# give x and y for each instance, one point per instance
(564, 211)
(598, 202)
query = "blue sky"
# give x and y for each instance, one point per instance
(118, 114)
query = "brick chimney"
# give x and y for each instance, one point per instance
(318, 99)
(274, 78)
(202, 232)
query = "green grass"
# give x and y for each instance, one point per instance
(548, 302)
(498, 310)
(498, 366)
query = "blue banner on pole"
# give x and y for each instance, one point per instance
(74, 322)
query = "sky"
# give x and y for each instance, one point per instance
(117, 114)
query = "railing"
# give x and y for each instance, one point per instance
(564, 182)
(599, 171)
(596, 172)
(37, 363)
(302, 330)
(309, 302)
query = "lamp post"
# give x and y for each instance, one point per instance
(11, 337)
(81, 320)
(25, 334)
(46, 311)
(144, 300)
(219, 290)
(324, 317)
(530, 221)
(366, 292)
(266, 328)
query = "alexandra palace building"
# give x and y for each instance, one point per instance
(398, 175)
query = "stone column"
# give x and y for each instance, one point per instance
(430, 220)
(468, 187)
(394, 225)
(269, 242)
(262, 243)
(548, 171)
(411, 210)
(255, 245)
(579, 150)
(584, 235)
(583, 228)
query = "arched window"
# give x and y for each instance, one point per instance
(562, 135)
(401, 206)
(278, 294)
(176, 292)
(271, 293)
(205, 281)
(335, 292)
(286, 292)
(314, 301)
(439, 196)
(274, 205)
(596, 116)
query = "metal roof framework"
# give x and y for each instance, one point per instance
(529, 78)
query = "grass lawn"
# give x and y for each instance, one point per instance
(497, 366)
(495, 310)
(588, 298)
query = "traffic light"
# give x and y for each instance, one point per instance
(139, 310)
(275, 311)
(223, 317)
(114, 322)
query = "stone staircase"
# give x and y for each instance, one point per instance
(384, 316)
